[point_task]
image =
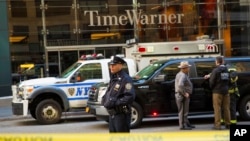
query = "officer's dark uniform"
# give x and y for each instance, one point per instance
(118, 99)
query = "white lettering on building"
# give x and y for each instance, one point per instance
(131, 17)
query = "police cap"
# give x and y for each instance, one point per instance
(116, 60)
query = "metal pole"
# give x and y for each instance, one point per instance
(44, 7)
(134, 3)
(219, 18)
(75, 6)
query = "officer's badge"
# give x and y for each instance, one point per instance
(71, 91)
(128, 86)
(117, 86)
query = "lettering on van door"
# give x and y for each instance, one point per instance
(77, 91)
(82, 91)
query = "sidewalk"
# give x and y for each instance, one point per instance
(5, 108)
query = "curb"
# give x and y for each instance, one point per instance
(65, 115)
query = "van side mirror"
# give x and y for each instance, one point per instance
(160, 78)
(76, 77)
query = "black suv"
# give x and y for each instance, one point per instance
(154, 86)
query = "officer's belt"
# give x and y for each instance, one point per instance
(118, 110)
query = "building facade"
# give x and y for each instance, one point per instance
(61, 31)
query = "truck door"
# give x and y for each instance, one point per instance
(165, 102)
(77, 90)
(201, 99)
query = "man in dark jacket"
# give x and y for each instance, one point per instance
(119, 97)
(219, 81)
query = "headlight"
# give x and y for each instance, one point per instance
(25, 91)
(102, 91)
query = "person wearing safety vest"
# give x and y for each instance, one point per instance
(234, 95)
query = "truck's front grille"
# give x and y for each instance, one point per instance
(93, 94)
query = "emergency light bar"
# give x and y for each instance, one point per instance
(92, 56)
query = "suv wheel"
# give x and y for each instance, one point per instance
(244, 108)
(136, 115)
(48, 112)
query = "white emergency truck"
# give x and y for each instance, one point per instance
(47, 98)
(143, 53)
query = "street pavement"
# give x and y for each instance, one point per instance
(6, 111)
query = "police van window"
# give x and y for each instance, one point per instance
(91, 71)
(170, 71)
(204, 68)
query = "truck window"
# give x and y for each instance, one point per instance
(148, 71)
(170, 71)
(70, 69)
(204, 68)
(91, 71)
(242, 66)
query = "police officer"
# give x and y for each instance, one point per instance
(119, 97)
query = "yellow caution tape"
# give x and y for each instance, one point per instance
(164, 136)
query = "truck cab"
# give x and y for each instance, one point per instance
(155, 91)
(46, 98)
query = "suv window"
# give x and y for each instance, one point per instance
(204, 68)
(170, 71)
(241, 66)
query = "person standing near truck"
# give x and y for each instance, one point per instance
(183, 90)
(119, 97)
(219, 81)
(234, 95)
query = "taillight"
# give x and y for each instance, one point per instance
(155, 113)
(175, 48)
(142, 49)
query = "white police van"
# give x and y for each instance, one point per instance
(47, 98)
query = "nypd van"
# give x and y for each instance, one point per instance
(45, 99)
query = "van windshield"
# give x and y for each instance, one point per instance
(148, 71)
(70, 69)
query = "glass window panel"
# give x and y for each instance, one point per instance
(54, 7)
(18, 8)
(204, 68)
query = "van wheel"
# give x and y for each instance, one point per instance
(244, 108)
(136, 115)
(48, 112)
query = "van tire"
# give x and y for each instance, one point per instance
(48, 112)
(244, 108)
(136, 115)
